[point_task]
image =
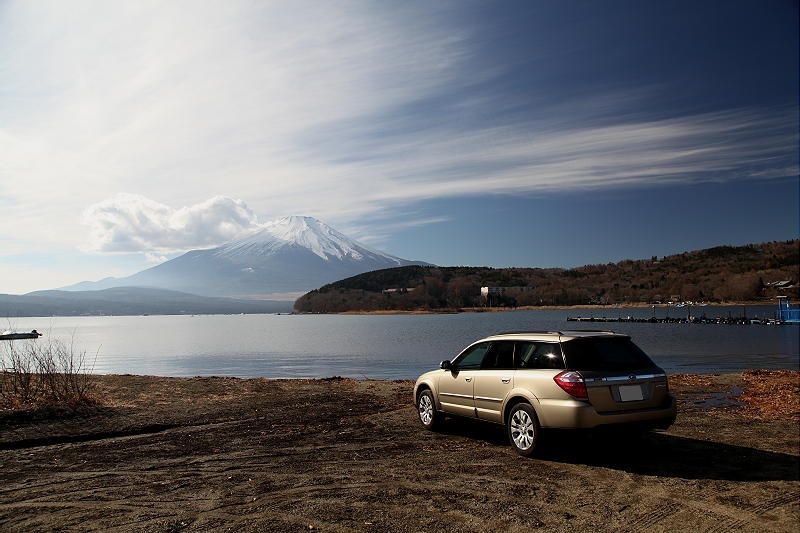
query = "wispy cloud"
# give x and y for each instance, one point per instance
(556, 155)
(731, 145)
(182, 101)
(378, 231)
(339, 110)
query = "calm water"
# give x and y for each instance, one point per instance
(389, 347)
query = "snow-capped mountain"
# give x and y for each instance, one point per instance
(308, 233)
(288, 256)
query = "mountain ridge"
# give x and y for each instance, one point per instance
(287, 256)
(129, 301)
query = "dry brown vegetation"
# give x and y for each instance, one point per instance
(35, 375)
(689, 380)
(772, 394)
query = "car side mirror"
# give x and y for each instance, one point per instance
(446, 365)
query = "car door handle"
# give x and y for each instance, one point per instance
(505, 380)
(467, 379)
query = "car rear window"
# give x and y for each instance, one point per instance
(599, 354)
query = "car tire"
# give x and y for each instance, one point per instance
(429, 417)
(523, 429)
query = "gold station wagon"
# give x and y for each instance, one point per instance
(548, 379)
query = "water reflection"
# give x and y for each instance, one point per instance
(389, 347)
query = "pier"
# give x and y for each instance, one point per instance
(786, 313)
(680, 320)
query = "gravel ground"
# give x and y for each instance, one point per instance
(223, 454)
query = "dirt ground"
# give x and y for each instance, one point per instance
(221, 454)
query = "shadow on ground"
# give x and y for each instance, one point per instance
(652, 454)
(62, 424)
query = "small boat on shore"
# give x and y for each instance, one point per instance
(13, 336)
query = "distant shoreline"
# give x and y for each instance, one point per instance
(450, 311)
(444, 311)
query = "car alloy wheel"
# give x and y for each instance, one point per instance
(427, 410)
(523, 429)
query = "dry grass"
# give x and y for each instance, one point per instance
(689, 380)
(44, 374)
(772, 394)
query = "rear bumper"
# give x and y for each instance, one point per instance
(575, 414)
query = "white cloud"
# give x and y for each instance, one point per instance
(296, 108)
(155, 258)
(178, 100)
(133, 223)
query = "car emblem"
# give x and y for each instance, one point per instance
(632, 377)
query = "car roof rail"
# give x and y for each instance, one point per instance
(550, 332)
(525, 331)
(589, 331)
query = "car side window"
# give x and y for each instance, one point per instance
(525, 352)
(541, 355)
(499, 357)
(472, 358)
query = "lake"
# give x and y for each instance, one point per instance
(390, 346)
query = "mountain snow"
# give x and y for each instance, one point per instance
(290, 255)
(304, 232)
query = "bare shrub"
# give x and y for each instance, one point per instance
(39, 374)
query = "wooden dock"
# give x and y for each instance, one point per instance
(680, 320)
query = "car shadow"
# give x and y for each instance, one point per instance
(32, 428)
(652, 453)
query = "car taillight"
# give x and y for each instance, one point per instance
(572, 382)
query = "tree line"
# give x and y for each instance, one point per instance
(720, 274)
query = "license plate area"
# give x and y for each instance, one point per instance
(630, 393)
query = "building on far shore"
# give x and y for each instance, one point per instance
(488, 292)
(787, 313)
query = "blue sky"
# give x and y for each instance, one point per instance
(461, 133)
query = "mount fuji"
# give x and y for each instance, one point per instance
(287, 257)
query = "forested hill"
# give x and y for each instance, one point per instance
(724, 273)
